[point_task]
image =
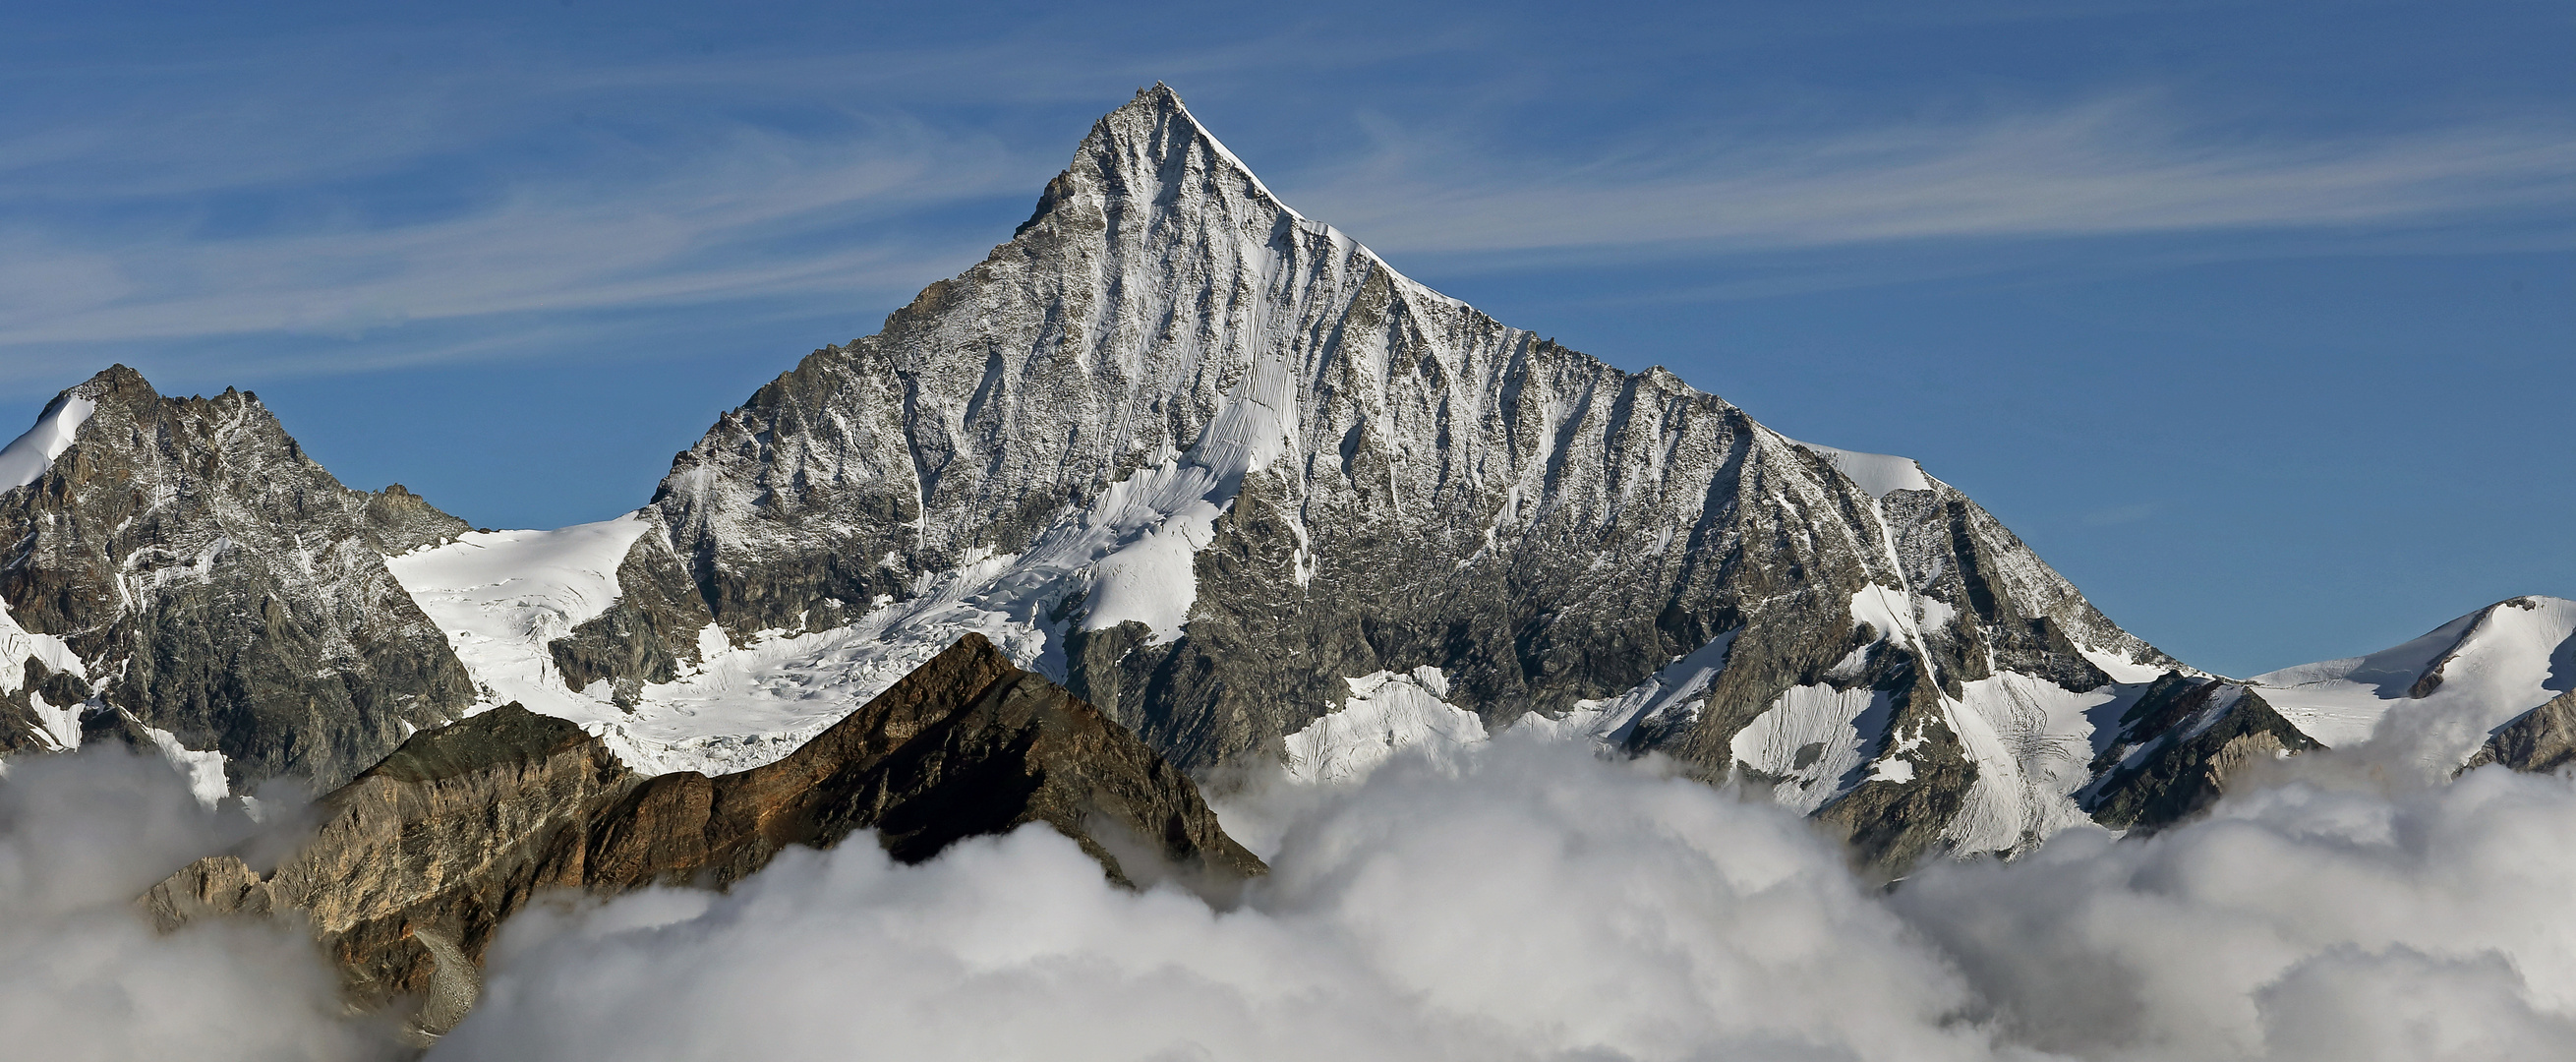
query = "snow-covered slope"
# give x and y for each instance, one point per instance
(2443, 693)
(503, 598)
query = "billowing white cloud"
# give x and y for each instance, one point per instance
(83, 975)
(1536, 905)
(1532, 902)
(1522, 901)
(2328, 917)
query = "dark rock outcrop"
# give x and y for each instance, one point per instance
(223, 588)
(647, 634)
(2540, 740)
(465, 825)
(2179, 747)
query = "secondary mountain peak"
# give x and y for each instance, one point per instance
(179, 574)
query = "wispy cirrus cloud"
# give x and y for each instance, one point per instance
(607, 188)
(551, 190)
(752, 213)
(2112, 167)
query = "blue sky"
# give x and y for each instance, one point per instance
(2257, 320)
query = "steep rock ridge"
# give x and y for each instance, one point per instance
(2179, 746)
(1210, 461)
(2540, 740)
(180, 569)
(650, 633)
(468, 823)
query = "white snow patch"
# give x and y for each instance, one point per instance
(27, 457)
(2502, 661)
(1815, 739)
(1387, 711)
(502, 596)
(19, 645)
(1680, 688)
(1141, 539)
(1899, 616)
(60, 722)
(2127, 671)
(1877, 474)
(1887, 611)
(205, 770)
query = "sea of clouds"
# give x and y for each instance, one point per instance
(1523, 901)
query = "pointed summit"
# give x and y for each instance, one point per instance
(1247, 488)
(32, 454)
(1152, 158)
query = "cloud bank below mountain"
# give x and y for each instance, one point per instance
(1532, 902)
(1520, 901)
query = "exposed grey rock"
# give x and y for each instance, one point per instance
(220, 586)
(2180, 745)
(22, 729)
(2540, 740)
(651, 630)
(1424, 486)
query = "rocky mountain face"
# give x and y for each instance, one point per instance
(2194, 734)
(179, 574)
(1216, 465)
(1200, 460)
(1205, 462)
(2540, 740)
(433, 847)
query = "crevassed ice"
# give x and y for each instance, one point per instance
(1387, 711)
(1814, 740)
(502, 597)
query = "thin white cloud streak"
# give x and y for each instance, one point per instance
(727, 214)
(297, 111)
(1538, 903)
(2109, 168)
(707, 230)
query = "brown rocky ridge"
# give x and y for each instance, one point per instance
(433, 848)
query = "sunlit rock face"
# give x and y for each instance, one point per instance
(436, 846)
(1213, 463)
(178, 573)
